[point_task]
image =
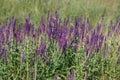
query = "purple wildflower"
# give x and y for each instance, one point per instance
(22, 58)
(87, 39)
(48, 16)
(117, 20)
(96, 39)
(118, 61)
(71, 29)
(76, 32)
(27, 26)
(19, 32)
(113, 28)
(82, 30)
(13, 21)
(32, 29)
(119, 49)
(105, 50)
(2, 38)
(75, 47)
(56, 15)
(37, 52)
(76, 22)
(28, 18)
(0, 49)
(71, 75)
(5, 56)
(38, 30)
(42, 48)
(98, 28)
(55, 75)
(42, 25)
(7, 33)
(101, 38)
(66, 22)
(62, 43)
(86, 75)
(31, 63)
(88, 20)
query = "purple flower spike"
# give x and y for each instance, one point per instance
(88, 20)
(71, 29)
(66, 22)
(31, 63)
(76, 32)
(32, 29)
(42, 25)
(1, 50)
(37, 52)
(71, 75)
(22, 58)
(18, 33)
(76, 22)
(87, 40)
(42, 48)
(75, 47)
(119, 49)
(82, 30)
(118, 61)
(56, 15)
(13, 21)
(48, 16)
(5, 56)
(105, 50)
(117, 20)
(55, 75)
(98, 28)
(86, 76)
(7, 33)
(28, 18)
(81, 17)
(113, 28)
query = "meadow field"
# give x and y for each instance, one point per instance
(59, 39)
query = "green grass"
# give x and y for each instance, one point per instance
(67, 8)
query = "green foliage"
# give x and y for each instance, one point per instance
(66, 8)
(55, 61)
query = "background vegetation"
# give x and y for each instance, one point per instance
(32, 50)
(94, 9)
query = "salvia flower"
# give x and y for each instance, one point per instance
(56, 15)
(22, 58)
(19, 33)
(76, 32)
(66, 22)
(113, 28)
(71, 75)
(62, 42)
(119, 49)
(76, 22)
(42, 48)
(13, 21)
(1, 50)
(55, 75)
(42, 25)
(105, 49)
(82, 30)
(7, 33)
(5, 56)
(75, 47)
(88, 20)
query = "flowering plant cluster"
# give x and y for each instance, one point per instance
(58, 50)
